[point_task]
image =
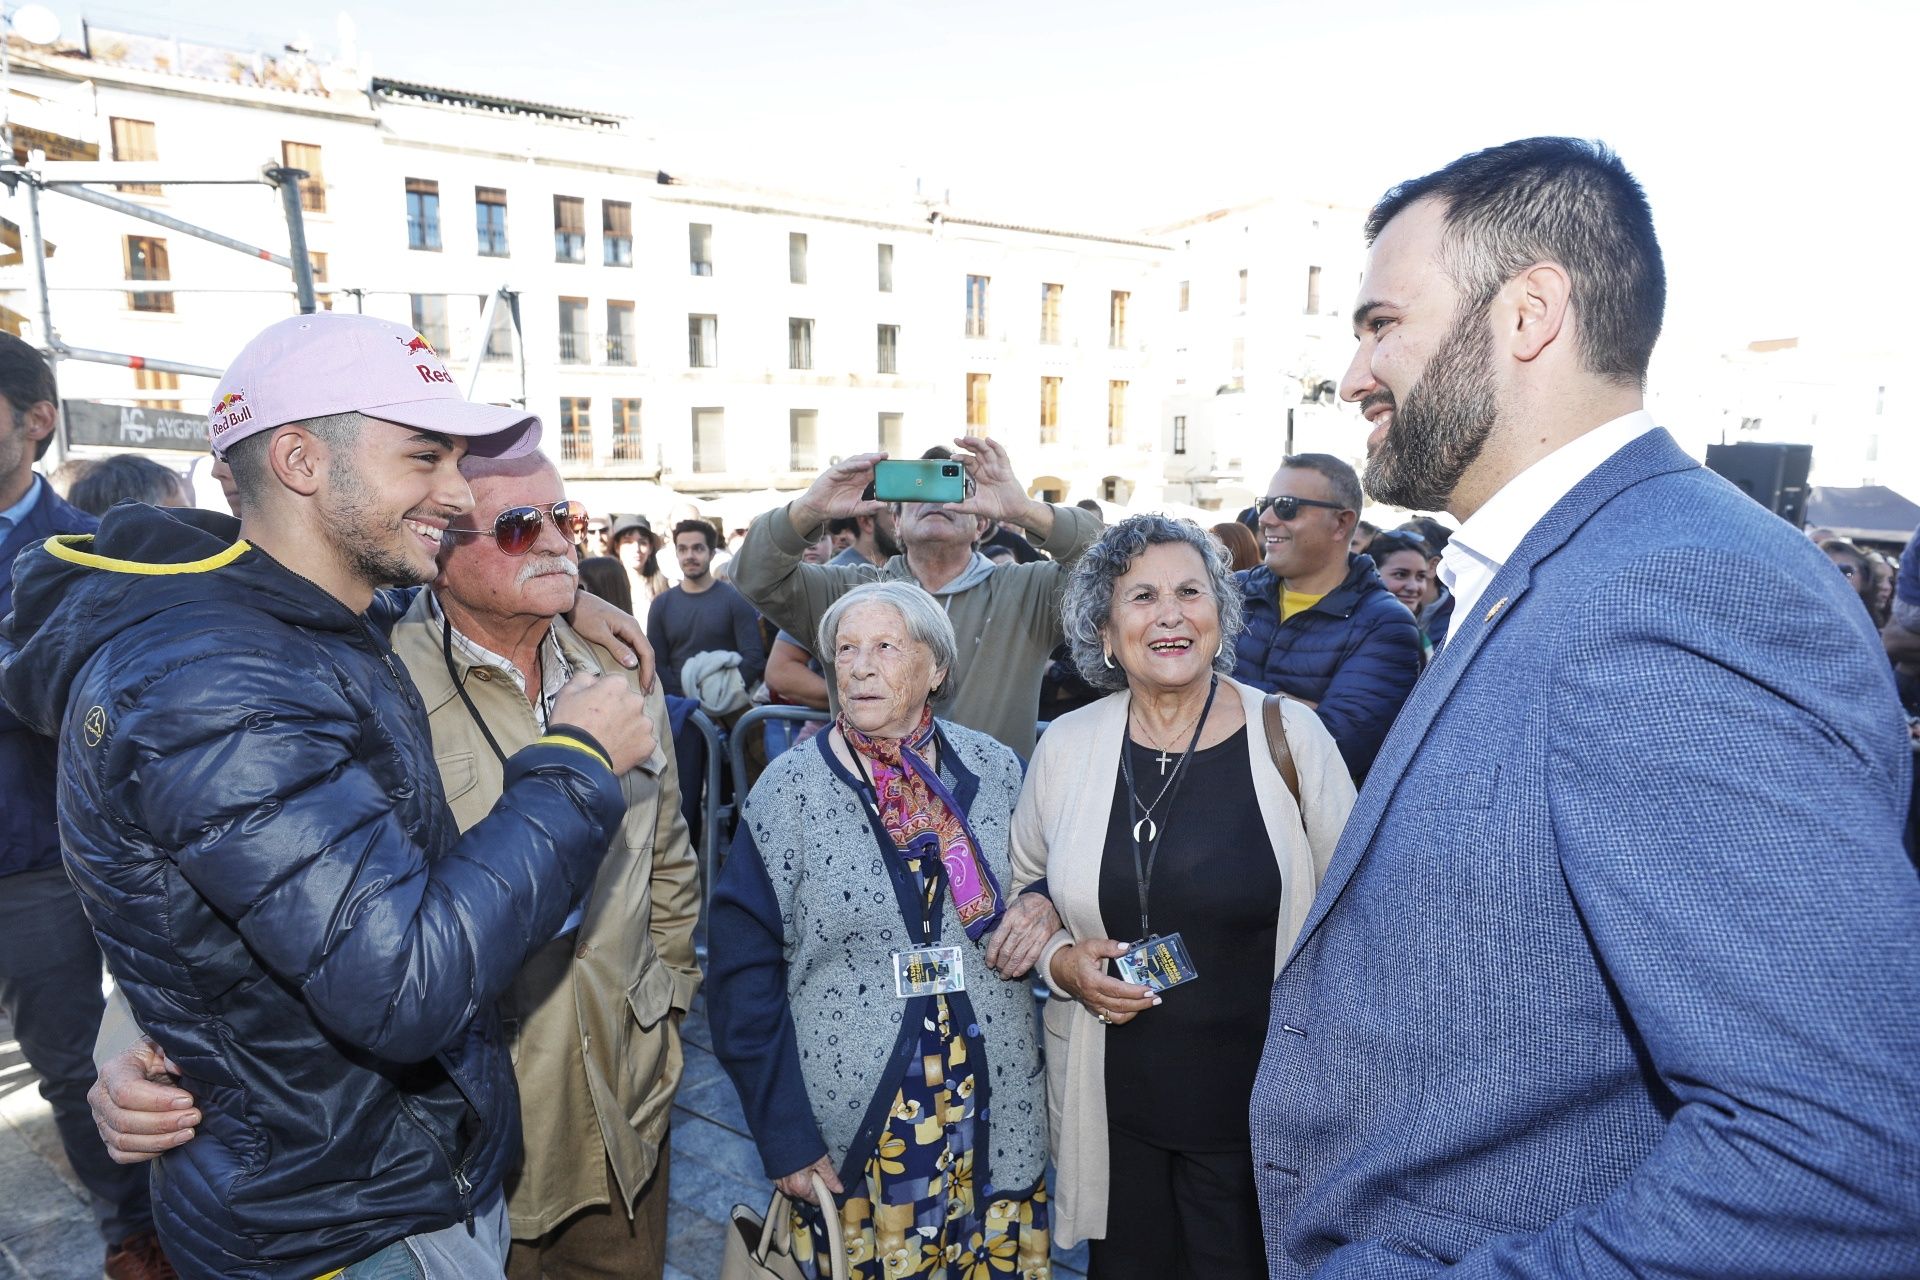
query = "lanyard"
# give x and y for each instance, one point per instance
(933, 876)
(1143, 873)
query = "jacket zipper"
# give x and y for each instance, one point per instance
(462, 1185)
(385, 651)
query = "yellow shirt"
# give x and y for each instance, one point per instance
(1292, 602)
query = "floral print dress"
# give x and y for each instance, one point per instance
(915, 1212)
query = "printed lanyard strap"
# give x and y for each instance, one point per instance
(1143, 872)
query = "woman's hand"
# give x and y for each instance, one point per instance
(1077, 970)
(1014, 946)
(799, 1186)
(618, 633)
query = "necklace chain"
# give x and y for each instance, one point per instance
(1146, 811)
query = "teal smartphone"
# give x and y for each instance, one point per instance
(920, 480)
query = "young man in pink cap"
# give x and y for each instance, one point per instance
(251, 807)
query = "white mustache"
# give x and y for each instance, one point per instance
(537, 566)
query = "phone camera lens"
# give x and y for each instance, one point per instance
(950, 471)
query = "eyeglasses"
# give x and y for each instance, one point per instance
(1285, 507)
(517, 528)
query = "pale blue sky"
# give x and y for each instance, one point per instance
(1775, 140)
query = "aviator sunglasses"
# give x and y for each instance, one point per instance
(1285, 507)
(517, 528)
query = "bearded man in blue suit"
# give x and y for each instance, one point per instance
(1615, 971)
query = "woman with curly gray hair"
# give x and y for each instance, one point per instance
(1181, 845)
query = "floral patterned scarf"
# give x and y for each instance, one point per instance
(922, 817)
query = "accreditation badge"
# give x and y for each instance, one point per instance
(1158, 963)
(930, 971)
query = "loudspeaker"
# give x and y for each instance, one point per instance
(1773, 475)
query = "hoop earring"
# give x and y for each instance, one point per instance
(1107, 657)
(1221, 650)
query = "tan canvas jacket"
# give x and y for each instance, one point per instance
(597, 1056)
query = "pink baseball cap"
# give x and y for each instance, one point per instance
(332, 362)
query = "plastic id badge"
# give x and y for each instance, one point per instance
(1158, 963)
(930, 971)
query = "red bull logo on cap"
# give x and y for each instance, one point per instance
(230, 411)
(418, 345)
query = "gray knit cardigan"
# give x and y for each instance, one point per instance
(843, 894)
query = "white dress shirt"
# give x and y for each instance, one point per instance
(1489, 538)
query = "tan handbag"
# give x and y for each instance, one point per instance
(762, 1248)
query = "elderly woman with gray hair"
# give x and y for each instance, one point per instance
(861, 979)
(1182, 846)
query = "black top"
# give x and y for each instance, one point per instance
(1181, 1075)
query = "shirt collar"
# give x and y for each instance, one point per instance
(557, 668)
(13, 515)
(1495, 531)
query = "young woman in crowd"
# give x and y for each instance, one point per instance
(1404, 564)
(1243, 551)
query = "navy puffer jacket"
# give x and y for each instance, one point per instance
(250, 807)
(1356, 654)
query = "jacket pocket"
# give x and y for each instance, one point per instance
(458, 773)
(651, 995)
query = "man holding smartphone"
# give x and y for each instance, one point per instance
(1006, 617)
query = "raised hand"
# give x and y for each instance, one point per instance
(997, 491)
(838, 491)
(609, 709)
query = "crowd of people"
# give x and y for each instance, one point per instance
(1488, 899)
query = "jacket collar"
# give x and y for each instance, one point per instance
(49, 514)
(1653, 454)
(1264, 585)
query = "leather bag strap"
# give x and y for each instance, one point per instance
(1282, 750)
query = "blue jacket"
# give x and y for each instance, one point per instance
(29, 839)
(251, 809)
(1613, 973)
(1356, 654)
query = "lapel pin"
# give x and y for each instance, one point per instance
(1498, 605)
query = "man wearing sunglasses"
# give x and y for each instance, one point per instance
(594, 1016)
(250, 806)
(1321, 626)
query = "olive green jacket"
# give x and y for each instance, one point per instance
(1007, 622)
(596, 1053)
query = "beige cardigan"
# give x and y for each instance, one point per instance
(1060, 832)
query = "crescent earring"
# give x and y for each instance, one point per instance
(1222, 649)
(1107, 657)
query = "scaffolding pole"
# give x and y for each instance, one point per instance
(68, 181)
(90, 356)
(288, 180)
(167, 220)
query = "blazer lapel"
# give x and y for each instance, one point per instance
(1652, 454)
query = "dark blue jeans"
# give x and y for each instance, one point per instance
(50, 990)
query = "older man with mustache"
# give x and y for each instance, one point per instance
(595, 1015)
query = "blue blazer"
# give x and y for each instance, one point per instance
(1616, 970)
(29, 836)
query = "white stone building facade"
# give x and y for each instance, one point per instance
(714, 336)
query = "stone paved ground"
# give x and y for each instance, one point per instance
(46, 1230)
